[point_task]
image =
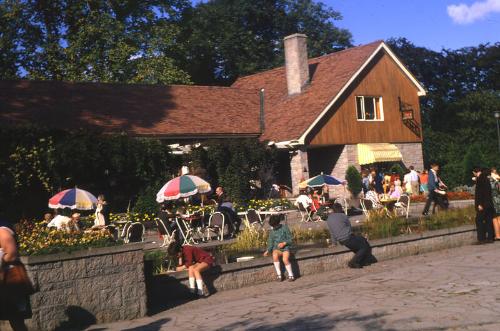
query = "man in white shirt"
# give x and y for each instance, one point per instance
(61, 222)
(415, 186)
(304, 200)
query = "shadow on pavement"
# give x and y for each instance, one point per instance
(370, 322)
(153, 326)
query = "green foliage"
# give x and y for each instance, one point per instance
(379, 225)
(146, 200)
(457, 113)
(398, 170)
(40, 163)
(225, 39)
(244, 167)
(354, 180)
(105, 41)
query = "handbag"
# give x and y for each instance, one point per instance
(14, 279)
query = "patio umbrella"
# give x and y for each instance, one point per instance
(74, 198)
(182, 187)
(320, 180)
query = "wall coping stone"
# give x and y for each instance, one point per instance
(92, 251)
(337, 250)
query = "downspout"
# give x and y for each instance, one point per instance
(262, 120)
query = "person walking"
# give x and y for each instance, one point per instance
(483, 201)
(433, 185)
(341, 231)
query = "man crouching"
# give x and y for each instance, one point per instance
(341, 231)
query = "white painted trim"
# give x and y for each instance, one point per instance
(421, 90)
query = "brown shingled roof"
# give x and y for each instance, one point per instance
(288, 117)
(155, 110)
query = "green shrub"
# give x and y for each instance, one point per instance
(396, 168)
(354, 180)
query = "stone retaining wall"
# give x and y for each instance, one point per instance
(87, 287)
(237, 275)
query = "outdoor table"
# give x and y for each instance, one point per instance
(388, 204)
(268, 213)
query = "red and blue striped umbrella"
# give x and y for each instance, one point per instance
(74, 198)
(182, 187)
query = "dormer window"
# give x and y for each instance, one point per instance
(369, 108)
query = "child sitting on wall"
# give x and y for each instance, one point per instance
(195, 260)
(279, 243)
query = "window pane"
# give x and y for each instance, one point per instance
(359, 107)
(369, 108)
(378, 111)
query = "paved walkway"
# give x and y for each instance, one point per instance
(455, 289)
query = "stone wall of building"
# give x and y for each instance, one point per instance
(412, 155)
(86, 287)
(348, 157)
(299, 169)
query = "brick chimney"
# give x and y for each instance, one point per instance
(297, 67)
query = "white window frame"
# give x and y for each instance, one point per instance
(381, 119)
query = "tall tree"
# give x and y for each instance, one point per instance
(228, 38)
(97, 40)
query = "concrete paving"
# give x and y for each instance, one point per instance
(456, 289)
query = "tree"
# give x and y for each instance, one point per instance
(354, 180)
(98, 41)
(226, 39)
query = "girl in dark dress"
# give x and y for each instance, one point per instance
(195, 260)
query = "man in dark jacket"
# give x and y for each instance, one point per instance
(341, 231)
(435, 193)
(483, 202)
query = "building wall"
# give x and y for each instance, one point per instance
(412, 155)
(382, 78)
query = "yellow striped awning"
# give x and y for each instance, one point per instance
(371, 153)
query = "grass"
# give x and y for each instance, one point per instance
(380, 226)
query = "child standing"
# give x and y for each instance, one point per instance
(195, 260)
(279, 243)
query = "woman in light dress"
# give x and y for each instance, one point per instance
(100, 212)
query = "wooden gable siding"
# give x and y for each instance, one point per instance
(381, 78)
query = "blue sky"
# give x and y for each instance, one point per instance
(434, 24)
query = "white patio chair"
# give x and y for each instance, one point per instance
(135, 233)
(403, 205)
(253, 219)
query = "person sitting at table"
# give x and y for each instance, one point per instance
(304, 200)
(196, 261)
(69, 224)
(373, 196)
(395, 191)
(225, 206)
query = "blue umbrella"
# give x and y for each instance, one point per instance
(320, 180)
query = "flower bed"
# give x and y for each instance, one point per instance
(451, 196)
(36, 239)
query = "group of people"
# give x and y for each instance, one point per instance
(169, 211)
(73, 222)
(314, 201)
(391, 185)
(196, 260)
